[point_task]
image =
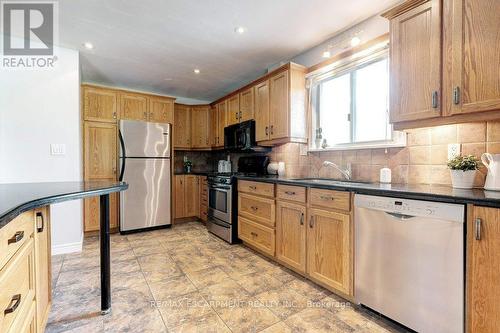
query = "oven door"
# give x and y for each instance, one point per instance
(219, 202)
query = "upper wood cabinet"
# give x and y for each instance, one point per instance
(134, 106)
(100, 150)
(291, 235)
(233, 110)
(415, 62)
(278, 102)
(472, 57)
(246, 104)
(483, 275)
(100, 104)
(329, 249)
(262, 111)
(161, 110)
(182, 127)
(200, 121)
(213, 126)
(221, 123)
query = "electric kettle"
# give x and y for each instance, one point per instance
(492, 162)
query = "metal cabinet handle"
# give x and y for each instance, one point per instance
(16, 238)
(290, 192)
(456, 95)
(14, 303)
(302, 219)
(254, 234)
(254, 208)
(252, 187)
(272, 129)
(236, 115)
(39, 217)
(114, 115)
(434, 99)
(267, 130)
(325, 197)
(311, 221)
(145, 114)
(478, 228)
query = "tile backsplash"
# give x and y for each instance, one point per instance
(422, 161)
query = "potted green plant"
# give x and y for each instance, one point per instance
(463, 170)
(187, 166)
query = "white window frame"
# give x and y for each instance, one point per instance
(338, 68)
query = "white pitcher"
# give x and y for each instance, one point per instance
(492, 162)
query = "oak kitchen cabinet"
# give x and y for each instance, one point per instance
(246, 104)
(134, 106)
(182, 128)
(482, 273)
(200, 130)
(233, 110)
(465, 85)
(161, 110)
(221, 123)
(99, 104)
(43, 254)
(262, 111)
(187, 196)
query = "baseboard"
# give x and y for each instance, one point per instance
(67, 248)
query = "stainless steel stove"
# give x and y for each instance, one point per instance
(223, 197)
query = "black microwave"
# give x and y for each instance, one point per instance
(240, 137)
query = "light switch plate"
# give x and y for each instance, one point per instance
(303, 150)
(453, 150)
(57, 149)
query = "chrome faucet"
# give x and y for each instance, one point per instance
(347, 173)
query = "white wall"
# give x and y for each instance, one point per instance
(37, 108)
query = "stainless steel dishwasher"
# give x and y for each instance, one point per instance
(409, 261)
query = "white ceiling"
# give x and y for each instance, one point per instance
(154, 45)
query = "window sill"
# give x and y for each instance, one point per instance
(360, 146)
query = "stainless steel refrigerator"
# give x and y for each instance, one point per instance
(145, 153)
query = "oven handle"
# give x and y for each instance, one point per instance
(225, 189)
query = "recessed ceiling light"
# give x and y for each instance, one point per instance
(326, 54)
(196, 71)
(88, 45)
(240, 30)
(355, 41)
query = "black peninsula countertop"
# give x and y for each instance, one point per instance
(17, 198)
(409, 191)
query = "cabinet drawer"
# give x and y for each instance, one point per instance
(259, 236)
(264, 189)
(292, 193)
(25, 322)
(17, 285)
(14, 235)
(330, 199)
(257, 209)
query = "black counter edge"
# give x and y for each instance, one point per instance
(33, 204)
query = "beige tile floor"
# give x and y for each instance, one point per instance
(184, 279)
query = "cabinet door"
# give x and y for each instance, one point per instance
(471, 53)
(199, 127)
(246, 104)
(483, 280)
(221, 123)
(161, 110)
(279, 106)
(192, 195)
(133, 107)
(182, 126)
(329, 249)
(91, 213)
(180, 208)
(100, 150)
(233, 110)
(43, 267)
(213, 126)
(415, 63)
(100, 104)
(291, 235)
(262, 111)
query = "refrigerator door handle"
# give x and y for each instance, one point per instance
(123, 157)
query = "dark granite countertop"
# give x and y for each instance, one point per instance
(17, 198)
(196, 173)
(408, 191)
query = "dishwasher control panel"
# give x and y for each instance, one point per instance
(431, 209)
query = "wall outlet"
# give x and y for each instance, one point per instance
(453, 150)
(57, 149)
(303, 150)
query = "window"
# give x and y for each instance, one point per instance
(350, 105)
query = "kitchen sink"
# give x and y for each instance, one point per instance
(329, 181)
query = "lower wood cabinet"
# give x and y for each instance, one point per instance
(187, 196)
(291, 235)
(257, 235)
(25, 280)
(483, 273)
(92, 213)
(329, 249)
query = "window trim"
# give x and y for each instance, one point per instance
(335, 69)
